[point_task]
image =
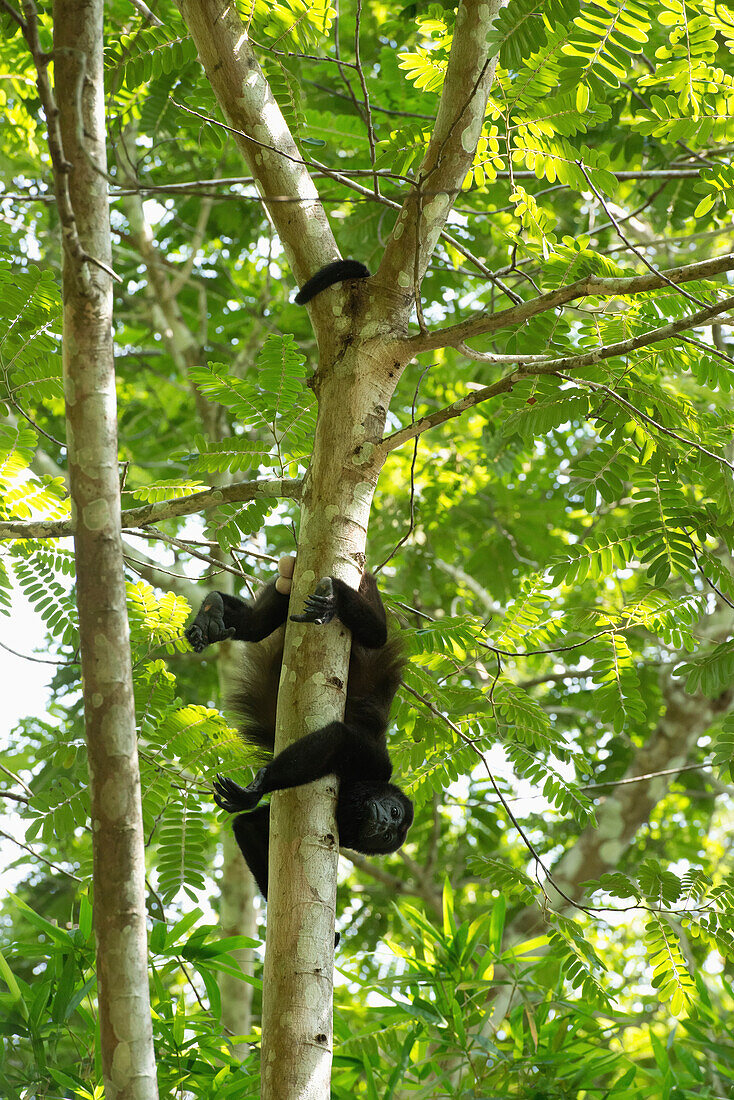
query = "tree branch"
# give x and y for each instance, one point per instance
(249, 106)
(163, 509)
(589, 286)
(552, 366)
(450, 150)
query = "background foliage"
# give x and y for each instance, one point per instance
(564, 589)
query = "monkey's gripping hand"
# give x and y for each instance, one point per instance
(320, 605)
(229, 796)
(208, 626)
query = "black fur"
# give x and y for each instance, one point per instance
(334, 272)
(373, 815)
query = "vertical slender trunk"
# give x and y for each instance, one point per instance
(237, 918)
(128, 1063)
(354, 391)
(237, 904)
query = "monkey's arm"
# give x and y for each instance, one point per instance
(223, 616)
(334, 748)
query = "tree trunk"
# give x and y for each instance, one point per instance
(237, 918)
(297, 986)
(361, 354)
(128, 1063)
(237, 904)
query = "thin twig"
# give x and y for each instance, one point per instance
(42, 859)
(618, 229)
(619, 400)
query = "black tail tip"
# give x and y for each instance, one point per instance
(335, 272)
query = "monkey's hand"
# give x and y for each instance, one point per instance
(208, 626)
(320, 605)
(229, 796)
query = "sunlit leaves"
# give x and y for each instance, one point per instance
(167, 490)
(618, 697)
(182, 836)
(659, 516)
(670, 974)
(521, 28)
(554, 159)
(151, 54)
(44, 577)
(539, 405)
(717, 186)
(30, 309)
(424, 70)
(581, 965)
(302, 23)
(604, 35)
(161, 618)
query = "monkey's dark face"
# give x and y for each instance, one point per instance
(373, 817)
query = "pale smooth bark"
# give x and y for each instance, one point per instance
(128, 1063)
(237, 893)
(450, 152)
(359, 328)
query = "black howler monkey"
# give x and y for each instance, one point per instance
(373, 815)
(335, 272)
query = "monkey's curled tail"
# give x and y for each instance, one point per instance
(335, 272)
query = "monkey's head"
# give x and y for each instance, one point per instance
(373, 817)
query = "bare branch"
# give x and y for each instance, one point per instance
(163, 509)
(589, 286)
(618, 229)
(450, 150)
(551, 366)
(249, 106)
(38, 856)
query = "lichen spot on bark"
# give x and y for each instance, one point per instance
(253, 81)
(96, 515)
(113, 728)
(97, 699)
(404, 279)
(362, 494)
(114, 799)
(363, 454)
(121, 1065)
(129, 1022)
(470, 136)
(331, 511)
(435, 210)
(106, 659)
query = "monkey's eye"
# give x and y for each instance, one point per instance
(394, 811)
